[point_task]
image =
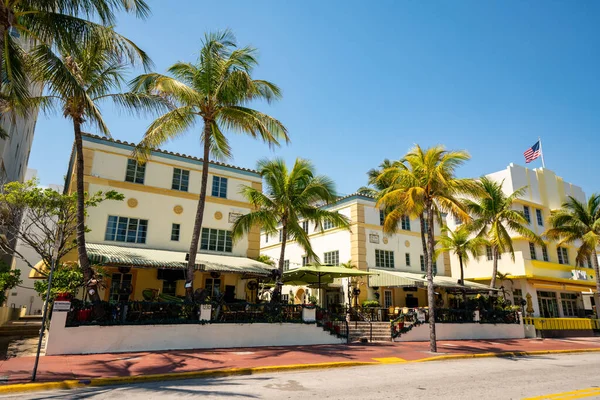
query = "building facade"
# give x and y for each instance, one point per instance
(397, 257)
(547, 273)
(143, 240)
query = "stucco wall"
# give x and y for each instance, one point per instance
(131, 338)
(464, 332)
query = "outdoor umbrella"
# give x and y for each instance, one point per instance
(320, 274)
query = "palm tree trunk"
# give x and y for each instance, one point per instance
(276, 298)
(597, 272)
(462, 280)
(430, 289)
(423, 238)
(189, 284)
(494, 271)
(84, 261)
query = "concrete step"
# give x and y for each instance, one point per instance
(31, 318)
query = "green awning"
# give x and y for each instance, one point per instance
(323, 274)
(154, 258)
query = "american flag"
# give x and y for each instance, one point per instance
(533, 152)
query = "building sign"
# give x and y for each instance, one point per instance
(233, 216)
(578, 275)
(373, 238)
(61, 306)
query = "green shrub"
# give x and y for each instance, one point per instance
(370, 303)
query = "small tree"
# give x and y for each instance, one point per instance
(66, 279)
(43, 219)
(8, 280)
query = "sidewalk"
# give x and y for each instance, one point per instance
(58, 368)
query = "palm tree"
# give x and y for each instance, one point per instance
(374, 183)
(462, 245)
(504, 277)
(66, 24)
(494, 219)
(265, 259)
(215, 92)
(576, 221)
(290, 197)
(423, 184)
(78, 83)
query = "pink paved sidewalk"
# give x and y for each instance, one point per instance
(55, 368)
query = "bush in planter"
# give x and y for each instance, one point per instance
(312, 299)
(370, 303)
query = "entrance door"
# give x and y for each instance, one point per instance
(118, 287)
(548, 304)
(387, 299)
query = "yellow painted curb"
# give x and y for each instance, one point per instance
(94, 382)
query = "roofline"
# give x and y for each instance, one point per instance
(168, 154)
(349, 198)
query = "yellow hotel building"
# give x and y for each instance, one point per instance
(143, 240)
(558, 287)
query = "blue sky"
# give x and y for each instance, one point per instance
(363, 81)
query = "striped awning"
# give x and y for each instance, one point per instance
(390, 278)
(154, 258)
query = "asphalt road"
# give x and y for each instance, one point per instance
(570, 375)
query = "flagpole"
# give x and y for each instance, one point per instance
(542, 152)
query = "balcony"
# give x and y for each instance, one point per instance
(560, 272)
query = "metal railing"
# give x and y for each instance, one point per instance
(561, 323)
(499, 317)
(159, 313)
(334, 322)
(596, 324)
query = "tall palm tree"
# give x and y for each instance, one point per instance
(67, 24)
(574, 222)
(77, 83)
(462, 244)
(423, 184)
(215, 92)
(374, 183)
(291, 196)
(495, 219)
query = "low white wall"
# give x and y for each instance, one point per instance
(131, 338)
(464, 332)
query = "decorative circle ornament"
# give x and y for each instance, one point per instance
(385, 240)
(218, 215)
(177, 209)
(407, 243)
(131, 202)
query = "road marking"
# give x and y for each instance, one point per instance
(390, 360)
(575, 394)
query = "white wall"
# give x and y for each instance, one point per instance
(131, 338)
(464, 332)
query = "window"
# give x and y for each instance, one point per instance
(384, 259)
(169, 287)
(327, 225)
(405, 223)
(305, 226)
(216, 240)
(457, 220)
(517, 297)
(426, 225)
(540, 218)
(123, 229)
(489, 253)
(286, 265)
(548, 304)
(213, 287)
(407, 259)
(285, 298)
(181, 179)
(545, 253)
(422, 259)
(569, 304)
(175, 228)
(527, 214)
(563, 255)
(281, 235)
(387, 299)
(267, 237)
(381, 217)
(120, 287)
(332, 257)
(219, 187)
(135, 172)
(305, 261)
(532, 251)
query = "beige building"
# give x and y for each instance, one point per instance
(548, 273)
(397, 258)
(144, 240)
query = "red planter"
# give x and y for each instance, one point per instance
(84, 315)
(337, 329)
(63, 297)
